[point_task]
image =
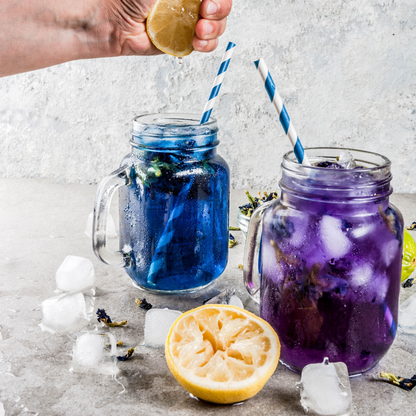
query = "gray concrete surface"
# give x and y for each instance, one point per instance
(41, 222)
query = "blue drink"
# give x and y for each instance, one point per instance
(174, 208)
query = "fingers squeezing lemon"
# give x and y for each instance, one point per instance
(221, 353)
(171, 25)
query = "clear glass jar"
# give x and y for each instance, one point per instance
(242, 222)
(330, 261)
(173, 201)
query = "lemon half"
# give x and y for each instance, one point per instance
(171, 25)
(221, 353)
(409, 255)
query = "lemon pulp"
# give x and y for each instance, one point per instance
(171, 25)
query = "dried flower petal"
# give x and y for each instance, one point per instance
(144, 304)
(408, 282)
(232, 241)
(248, 209)
(127, 356)
(404, 383)
(412, 226)
(103, 317)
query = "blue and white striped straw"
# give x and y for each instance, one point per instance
(158, 265)
(281, 110)
(217, 83)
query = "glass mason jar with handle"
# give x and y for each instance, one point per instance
(173, 205)
(325, 260)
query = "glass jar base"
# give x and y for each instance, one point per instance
(351, 375)
(173, 292)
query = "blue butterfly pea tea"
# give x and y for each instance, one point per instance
(173, 205)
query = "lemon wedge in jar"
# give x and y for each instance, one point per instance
(171, 25)
(221, 353)
(409, 255)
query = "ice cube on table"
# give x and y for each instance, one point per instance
(111, 226)
(336, 243)
(325, 389)
(75, 274)
(236, 301)
(64, 313)
(407, 315)
(157, 325)
(346, 160)
(90, 353)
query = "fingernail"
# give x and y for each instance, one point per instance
(212, 8)
(208, 30)
(202, 44)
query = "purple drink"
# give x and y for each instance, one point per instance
(330, 260)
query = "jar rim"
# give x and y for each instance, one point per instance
(172, 125)
(375, 161)
(370, 181)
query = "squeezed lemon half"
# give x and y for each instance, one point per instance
(221, 353)
(171, 25)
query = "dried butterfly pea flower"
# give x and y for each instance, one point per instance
(404, 383)
(144, 304)
(232, 241)
(254, 202)
(412, 226)
(408, 282)
(103, 317)
(126, 356)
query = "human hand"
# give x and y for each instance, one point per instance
(128, 18)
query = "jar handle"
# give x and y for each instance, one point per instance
(106, 188)
(252, 274)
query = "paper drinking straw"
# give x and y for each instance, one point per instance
(300, 153)
(159, 257)
(217, 82)
(281, 110)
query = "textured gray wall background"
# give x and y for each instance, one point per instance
(346, 70)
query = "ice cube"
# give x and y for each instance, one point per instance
(346, 160)
(361, 275)
(236, 301)
(111, 226)
(389, 251)
(362, 230)
(222, 298)
(75, 274)
(90, 353)
(336, 243)
(325, 389)
(64, 313)
(407, 315)
(157, 325)
(89, 350)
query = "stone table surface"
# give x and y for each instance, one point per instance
(40, 224)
